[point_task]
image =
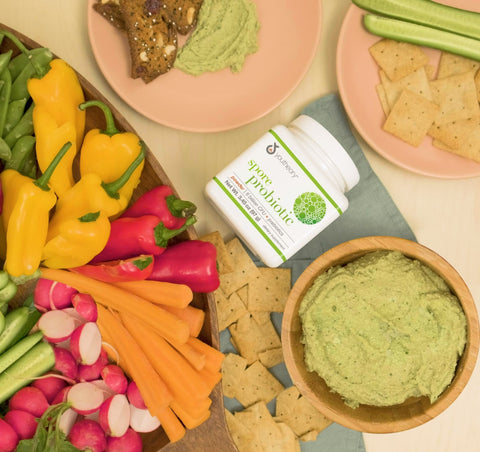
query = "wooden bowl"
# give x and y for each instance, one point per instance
(372, 419)
(214, 432)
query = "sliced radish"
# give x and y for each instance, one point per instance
(67, 420)
(90, 372)
(79, 320)
(65, 363)
(49, 295)
(86, 343)
(50, 385)
(56, 326)
(85, 397)
(107, 390)
(22, 422)
(142, 421)
(29, 399)
(87, 434)
(115, 378)
(130, 442)
(114, 415)
(85, 306)
(134, 396)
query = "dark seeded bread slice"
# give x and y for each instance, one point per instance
(151, 38)
(110, 9)
(182, 13)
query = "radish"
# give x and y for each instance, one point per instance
(85, 305)
(72, 312)
(61, 396)
(89, 372)
(134, 396)
(142, 421)
(115, 378)
(67, 420)
(29, 399)
(22, 422)
(8, 437)
(107, 390)
(85, 397)
(114, 415)
(86, 343)
(65, 363)
(56, 326)
(50, 385)
(88, 435)
(130, 442)
(49, 295)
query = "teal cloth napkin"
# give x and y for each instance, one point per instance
(371, 211)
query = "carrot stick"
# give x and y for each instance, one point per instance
(159, 292)
(171, 366)
(188, 420)
(151, 386)
(123, 301)
(214, 357)
(194, 317)
(171, 424)
(193, 356)
(210, 378)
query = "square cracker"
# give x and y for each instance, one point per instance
(269, 290)
(396, 58)
(411, 117)
(229, 309)
(451, 64)
(453, 134)
(469, 149)
(272, 357)
(242, 435)
(224, 259)
(233, 367)
(457, 97)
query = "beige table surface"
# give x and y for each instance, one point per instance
(444, 214)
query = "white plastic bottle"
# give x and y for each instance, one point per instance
(284, 189)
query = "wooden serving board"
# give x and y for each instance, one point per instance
(212, 434)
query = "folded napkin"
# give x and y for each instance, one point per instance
(371, 211)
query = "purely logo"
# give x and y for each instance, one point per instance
(309, 208)
(271, 148)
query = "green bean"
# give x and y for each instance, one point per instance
(23, 149)
(15, 111)
(5, 59)
(17, 64)
(23, 127)
(29, 167)
(5, 151)
(4, 97)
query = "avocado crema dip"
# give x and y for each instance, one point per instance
(381, 329)
(226, 32)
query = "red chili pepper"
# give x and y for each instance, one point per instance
(130, 237)
(133, 269)
(161, 202)
(193, 263)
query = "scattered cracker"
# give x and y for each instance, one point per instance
(411, 117)
(224, 259)
(272, 357)
(269, 290)
(397, 59)
(233, 367)
(229, 309)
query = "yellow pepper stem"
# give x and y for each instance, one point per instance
(42, 181)
(110, 128)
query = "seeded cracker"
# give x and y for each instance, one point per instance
(411, 117)
(397, 59)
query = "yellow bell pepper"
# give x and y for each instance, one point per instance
(57, 96)
(26, 208)
(76, 241)
(109, 152)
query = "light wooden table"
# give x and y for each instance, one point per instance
(444, 214)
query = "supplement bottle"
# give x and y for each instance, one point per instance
(284, 189)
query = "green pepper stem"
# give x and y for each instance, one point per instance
(179, 207)
(43, 180)
(163, 234)
(112, 188)
(110, 128)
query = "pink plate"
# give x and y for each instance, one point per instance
(212, 102)
(357, 76)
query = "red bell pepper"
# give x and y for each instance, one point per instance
(130, 237)
(192, 262)
(161, 202)
(133, 269)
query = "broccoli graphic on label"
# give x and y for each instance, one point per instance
(309, 208)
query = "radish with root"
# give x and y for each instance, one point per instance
(134, 396)
(22, 422)
(56, 326)
(50, 385)
(114, 415)
(85, 397)
(85, 305)
(115, 378)
(29, 399)
(8, 437)
(65, 363)
(86, 434)
(142, 421)
(130, 442)
(90, 372)
(86, 343)
(67, 420)
(49, 295)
